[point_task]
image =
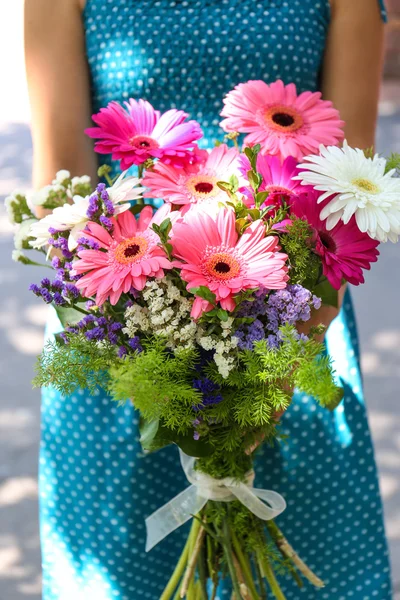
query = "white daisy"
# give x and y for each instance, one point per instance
(73, 217)
(359, 186)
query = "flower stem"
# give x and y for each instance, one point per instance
(202, 569)
(286, 549)
(177, 574)
(229, 559)
(263, 591)
(245, 567)
(268, 573)
(196, 540)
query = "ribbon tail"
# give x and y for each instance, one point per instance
(254, 499)
(172, 515)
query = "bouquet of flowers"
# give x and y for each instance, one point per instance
(197, 312)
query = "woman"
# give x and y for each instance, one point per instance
(96, 486)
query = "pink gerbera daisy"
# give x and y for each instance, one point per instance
(284, 123)
(125, 258)
(194, 183)
(277, 179)
(213, 255)
(140, 132)
(344, 250)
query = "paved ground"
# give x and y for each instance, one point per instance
(21, 330)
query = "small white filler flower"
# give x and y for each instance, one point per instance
(73, 217)
(358, 186)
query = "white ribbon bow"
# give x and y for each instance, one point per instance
(189, 502)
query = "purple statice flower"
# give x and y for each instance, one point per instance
(255, 333)
(210, 392)
(97, 333)
(70, 291)
(64, 337)
(122, 351)
(272, 310)
(62, 244)
(46, 283)
(106, 222)
(100, 206)
(89, 304)
(107, 203)
(58, 299)
(316, 302)
(196, 422)
(56, 262)
(46, 295)
(134, 344)
(94, 206)
(288, 306)
(35, 289)
(87, 244)
(272, 342)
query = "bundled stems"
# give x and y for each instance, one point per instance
(229, 559)
(268, 573)
(193, 556)
(180, 567)
(286, 549)
(245, 567)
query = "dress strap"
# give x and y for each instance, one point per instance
(384, 14)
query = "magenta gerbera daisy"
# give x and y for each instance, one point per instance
(140, 132)
(282, 122)
(194, 183)
(125, 258)
(213, 255)
(277, 179)
(344, 250)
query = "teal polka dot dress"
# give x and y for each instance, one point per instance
(96, 486)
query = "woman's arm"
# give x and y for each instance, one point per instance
(353, 67)
(59, 89)
(351, 80)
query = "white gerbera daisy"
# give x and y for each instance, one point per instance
(359, 186)
(73, 217)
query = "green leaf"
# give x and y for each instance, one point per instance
(241, 225)
(166, 226)
(255, 180)
(148, 432)
(223, 314)
(154, 436)
(68, 315)
(224, 186)
(327, 293)
(254, 213)
(234, 181)
(191, 447)
(261, 198)
(205, 293)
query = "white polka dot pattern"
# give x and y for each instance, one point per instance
(96, 485)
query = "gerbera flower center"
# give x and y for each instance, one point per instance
(365, 185)
(327, 241)
(282, 192)
(131, 250)
(284, 119)
(143, 142)
(203, 186)
(221, 266)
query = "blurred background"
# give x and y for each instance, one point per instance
(22, 319)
